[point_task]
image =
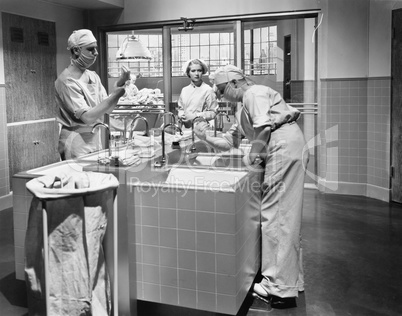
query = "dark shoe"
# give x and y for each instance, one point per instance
(282, 302)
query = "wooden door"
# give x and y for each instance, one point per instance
(29, 67)
(396, 107)
(30, 71)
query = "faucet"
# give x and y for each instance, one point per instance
(193, 148)
(132, 126)
(172, 118)
(106, 127)
(219, 115)
(163, 160)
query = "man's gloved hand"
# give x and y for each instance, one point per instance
(124, 76)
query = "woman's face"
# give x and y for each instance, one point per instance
(195, 72)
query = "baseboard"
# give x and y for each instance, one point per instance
(6, 201)
(350, 188)
(378, 193)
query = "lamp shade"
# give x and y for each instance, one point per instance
(132, 48)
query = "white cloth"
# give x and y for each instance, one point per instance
(77, 221)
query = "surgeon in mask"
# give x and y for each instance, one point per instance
(81, 98)
(278, 145)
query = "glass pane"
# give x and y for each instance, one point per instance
(257, 50)
(247, 52)
(204, 39)
(195, 39)
(204, 52)
(195, 52)
(224, 38)
(185, 39)
(273, 33)
(112, 54)
(112, 41)
(175, 40)
(143, 39)
(224, 52)
(153, 40)
(246, 36)
(214, 38)
(264, 34)
(185, 53)
(257, 35)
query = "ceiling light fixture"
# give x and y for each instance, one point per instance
(133, 48)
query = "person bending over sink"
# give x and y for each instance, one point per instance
(197, 99)
(81, 98)
(278, 145)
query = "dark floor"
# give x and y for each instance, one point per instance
(352, 260)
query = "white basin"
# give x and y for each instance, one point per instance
(204, 177)
(64, 167)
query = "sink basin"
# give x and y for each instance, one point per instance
(208, 160)
(204, 178)
(63, 167)
(216, 161)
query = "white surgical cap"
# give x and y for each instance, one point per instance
(203, 64)
(226, 74)
(80, 38)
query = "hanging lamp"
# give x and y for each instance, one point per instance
(133, 48)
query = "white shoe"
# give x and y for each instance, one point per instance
(259, 289)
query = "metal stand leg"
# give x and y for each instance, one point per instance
(46, 256)
(115, 261)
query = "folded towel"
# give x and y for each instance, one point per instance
(129, 161)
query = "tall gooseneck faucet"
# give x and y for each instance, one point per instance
(172, 118)
(106, 127)
(193, 148)
(163, 160)
(132, 126)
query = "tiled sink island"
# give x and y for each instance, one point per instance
(191, 242)
(195, 245)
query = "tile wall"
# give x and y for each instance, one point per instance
(379, 131)
(355, 134)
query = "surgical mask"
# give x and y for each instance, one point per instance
(84, 61)
(233, 94)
